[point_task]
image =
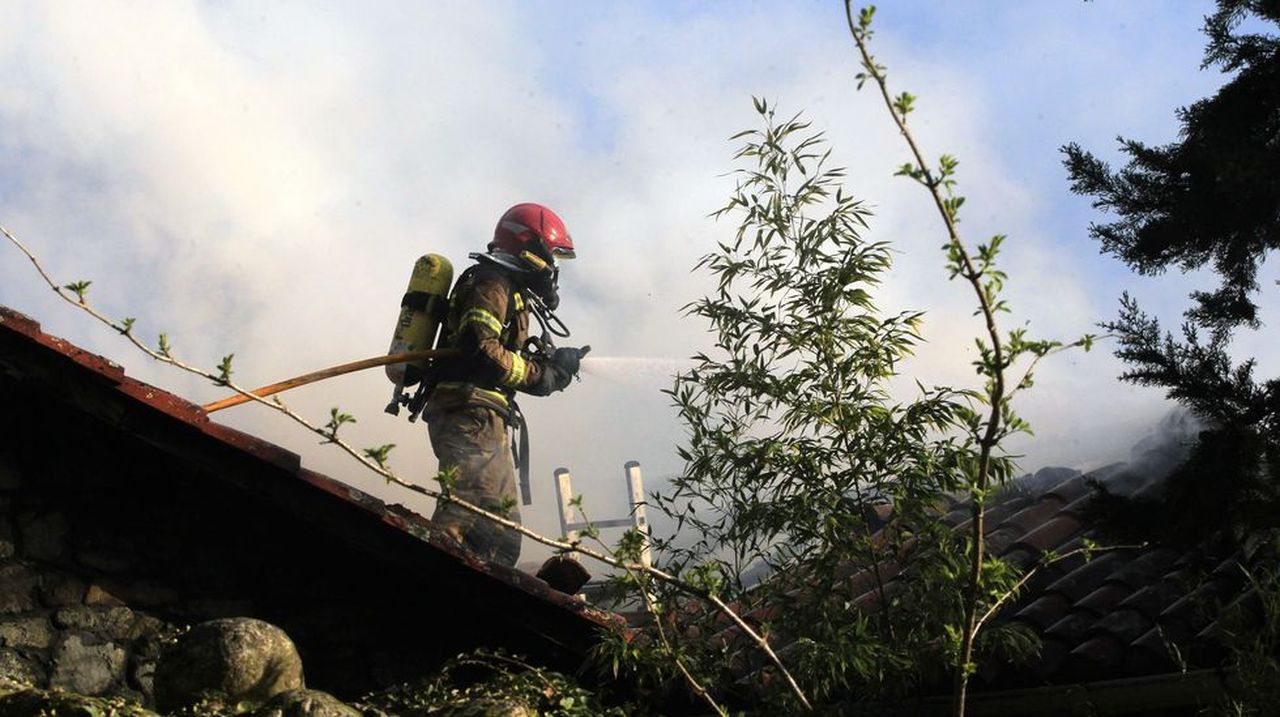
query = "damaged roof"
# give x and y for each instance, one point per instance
(1122, 630)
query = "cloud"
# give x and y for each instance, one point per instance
(260, 178)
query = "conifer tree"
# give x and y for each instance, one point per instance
(1210, 199)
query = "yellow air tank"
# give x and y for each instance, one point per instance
(422, 310)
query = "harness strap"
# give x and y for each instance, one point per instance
(521, 455)
(416, 300)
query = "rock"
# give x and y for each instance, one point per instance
(120, 624)
(28, 632)
(142, 677)
(8, 686)
(98, 595)
(146, 626)
(92, 619)
(43, 536)
(144, 652)
(89, 669)
(18, 588)
(305, 703)
(16, 668)
(59, 589)
(247, 660)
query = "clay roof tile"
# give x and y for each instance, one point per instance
(1150, 654)
(1044, 611)
(1073, 627)
(1150, 565)
(1079, 582)
(1152, 599)
(1101, 600)
(1125, 625)
(1071, 489)
(1052, 534)
(1094, 659)
(1034, 515)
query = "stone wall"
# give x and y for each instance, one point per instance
(107, 544)
(65, 615)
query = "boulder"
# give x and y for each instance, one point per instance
(245, 659)
(81, 666)
(305, 703)
(19, 584)
(26, 632)
(60, 589)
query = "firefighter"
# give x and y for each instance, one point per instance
(473, 404)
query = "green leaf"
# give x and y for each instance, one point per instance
(379, 455)
(337, 419)
(79, 288)
(447, 477)
(224, 369)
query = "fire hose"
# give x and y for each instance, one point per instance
(325, 373)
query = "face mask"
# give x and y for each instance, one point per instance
(546, 284)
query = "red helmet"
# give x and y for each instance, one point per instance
(533, 228)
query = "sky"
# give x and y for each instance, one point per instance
(259, 178)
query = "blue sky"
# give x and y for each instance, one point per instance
(259, 178)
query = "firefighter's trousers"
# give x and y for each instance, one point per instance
(474, 441)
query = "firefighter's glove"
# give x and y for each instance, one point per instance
(559, 370)
(569, 359)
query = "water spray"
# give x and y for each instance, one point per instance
(620, 368)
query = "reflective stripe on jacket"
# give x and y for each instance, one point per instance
(488, 322)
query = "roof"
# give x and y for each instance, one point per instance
(1113, 617)
(1114, 614)
(1122, 629)
(62, 387)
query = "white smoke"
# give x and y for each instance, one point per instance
(259, 178)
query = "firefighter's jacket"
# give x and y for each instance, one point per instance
(488, 322)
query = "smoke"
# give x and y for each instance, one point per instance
(1150, 461)
(1154, 458)
(259, 179)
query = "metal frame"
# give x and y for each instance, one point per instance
(570, 527)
